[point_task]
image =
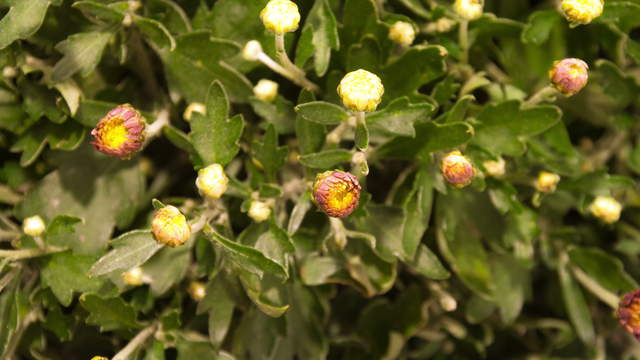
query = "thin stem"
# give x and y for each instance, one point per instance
(156, 127)
(29, 253)
(138, 340)
(463, 39)
(288, 69)
(603, 294)
(540, 96)
(339, 232)
(281, 51)
(10, 350)
(335, 136)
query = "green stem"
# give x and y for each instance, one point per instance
(463, 38)
(542, 95)
(138, 340)
(295, 74)
(603, 294)
(29, 253)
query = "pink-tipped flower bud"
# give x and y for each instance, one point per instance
(629, 312)
(336, 193)
(457, 169)
(569, 75)
(170, 227)
(120, 133)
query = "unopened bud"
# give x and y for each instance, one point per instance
(197, 290)
(252, 50)
(495, 168)
(266, 90)
(628, 312)
(194, 107)
(580, 12)
(361, 90)
(133, 277)
(457, 169)
(547, 182)
(402, 33)
(120, 133)
(336, 193)
(280, 16)
(469, 9)
(99, 358)
(606, 209)
(448, 303)
(569, 75)
(212, 181)
(33, 226)
(170, 227)
(259, 211)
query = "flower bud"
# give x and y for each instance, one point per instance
(133, 277)
(606, 209)
(280, 16)
(628, 312)
(99, 358)
(212, 181)
(457, 169)
(259, 211)
(336, 193)
(120, 133)
(170, 227)
(194, 107)
(361, 90)
(569, 75)
(402, 33)
(197, 291)
(495, 168)
(252, 50)
(547, 182)
(266, 90)
(580, 12)
(33, 226)
(448, 303)
(469, 9)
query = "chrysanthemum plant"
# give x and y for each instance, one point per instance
(328, 179)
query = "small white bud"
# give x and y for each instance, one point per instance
(194, 107)
(495, 168)
(212, 181)
(133, 277)
(469, 9)
(33, 226)
(547, 182)
(606, 209)
(197, 291)
(266, 90)
(280, 16)
(259, 211)
(402, 33)
(252, 50)
(448, 303)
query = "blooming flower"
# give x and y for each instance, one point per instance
(336, 192)
(629, 312)
(259, 211)
(266, 90)
(469, 9)
(280, 16)
(212, 181)
(569, 75)
(457, 169)
(120, 133)
(495, 168)
(581, 11)
(402, 33)
(133, 277)
(197, 291)
(361, 90)
(606, 209)
(547, 182)
(33, 226)
(170, 227)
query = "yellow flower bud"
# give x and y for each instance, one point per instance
(133, 277)
(606, 209)
(33, 226)
(580, 12)
(547, 182)
(457, 169)
(252, 50)
(280, 16)
(197, 290)
(361, 90)
(495, 168)
(402, 33)
(469, 9)
(170, 227)
(212, 181)
(259, 211)
(266, 90)
(99, 358)
(120, 133)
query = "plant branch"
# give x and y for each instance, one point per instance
(138, 340)
(29, 253)
(603, 294)
(542, 95)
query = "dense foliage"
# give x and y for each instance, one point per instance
(498, 218)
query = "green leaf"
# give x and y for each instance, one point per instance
(268, 293)
(82, 53)
(298, 213)
(427, 264)
(417, 8)
(326, 159)
(66, 273)
(178, 138)
(214, 135)
(31, 144)
(539, 27)
(167, 268)
(280, 113)
(23, 20)
(607, 270)
(429, 137)
(97, 10)
(417, 209)
(129, 250)
(91, 111)
(362, 136)
(366, 54)
(60, 229)
(324, 37)
(512, 281)
(156, 32)
(621, 89)
(109, 314)
(316, 270)
(220, 306)
(310, 135)
(624, 14)
(269, 154)
(322, 112)
(398, 117)
(459, 109)
(424, 63)
(359, 17)
(576, 306)
(59, 323)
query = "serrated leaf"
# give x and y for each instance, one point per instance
(605, 269)
(326, 159)
(82, 53)
(427, 264)
(97, 10)
(539, 27)
(59, 230)
(322, 112)
(129, 250)
(109, 314)
(271, 156)
(23, 20)
(66, 273)
(156, 32)
(323, 38)
(425, 63)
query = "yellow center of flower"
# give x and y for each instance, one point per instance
(114, 133)
(341, 196)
